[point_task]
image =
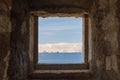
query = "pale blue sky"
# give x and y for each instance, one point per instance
(59, 29)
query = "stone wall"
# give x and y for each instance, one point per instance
(19, 41)
(5, 30)
(15, 37)
(105, 42)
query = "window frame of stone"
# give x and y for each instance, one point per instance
(57, 67)
(84, 65)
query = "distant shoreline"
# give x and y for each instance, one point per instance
(59, 52)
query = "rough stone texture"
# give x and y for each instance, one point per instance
(31, 41)
(5, 29)
(38, 4)
(60, 7)
(19, 41)
(118, 37)
(105, 46)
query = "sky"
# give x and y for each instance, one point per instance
(60, 31)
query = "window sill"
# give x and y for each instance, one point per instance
(62, 66)
(60, 74)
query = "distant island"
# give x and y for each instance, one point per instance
(58, 52)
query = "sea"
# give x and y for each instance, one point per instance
(60, 58)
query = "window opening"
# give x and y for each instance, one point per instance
(60, 40)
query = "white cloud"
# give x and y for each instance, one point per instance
(60, 47)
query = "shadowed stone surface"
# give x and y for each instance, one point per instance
(5, 29)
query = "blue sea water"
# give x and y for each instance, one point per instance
(60, 58)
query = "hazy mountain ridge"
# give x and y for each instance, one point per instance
(60, 48)
(61, 52)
